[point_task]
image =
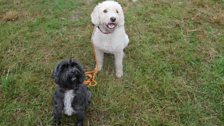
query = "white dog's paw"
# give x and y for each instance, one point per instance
(98, 68)
(119, 74)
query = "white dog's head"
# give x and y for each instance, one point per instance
(109, 14)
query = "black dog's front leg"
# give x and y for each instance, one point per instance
(58, 109)
(57, 116)
(80, 118)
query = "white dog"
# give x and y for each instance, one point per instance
(109, 35)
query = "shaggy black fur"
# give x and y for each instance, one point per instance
(69, 75)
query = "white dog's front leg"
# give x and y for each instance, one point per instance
(99, 58)
(118, 63)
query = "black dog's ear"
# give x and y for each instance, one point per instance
(82, 73)
(81, 70)
(54, 75)
(81, 77)
(56, 72)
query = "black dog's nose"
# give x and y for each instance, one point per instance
(113, 19)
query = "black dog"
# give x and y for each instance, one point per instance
(71, 96)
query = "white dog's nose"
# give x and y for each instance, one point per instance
(113, 19)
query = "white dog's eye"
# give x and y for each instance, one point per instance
(105, 11)
(117, 11)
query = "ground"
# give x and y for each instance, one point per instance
(173, 67)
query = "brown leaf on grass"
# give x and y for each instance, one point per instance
(219, 18)
(10, 16)
(200, 3)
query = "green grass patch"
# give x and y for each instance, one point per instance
(173, 67)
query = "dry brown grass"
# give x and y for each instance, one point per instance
(219, 18)
(11, 16)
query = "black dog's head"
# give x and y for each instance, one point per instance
(68, 74)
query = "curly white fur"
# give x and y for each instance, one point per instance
(109, 35)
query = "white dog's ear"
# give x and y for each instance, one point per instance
(121, 20)
(95, 17)
(121, 14)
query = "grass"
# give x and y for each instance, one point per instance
(173, 68)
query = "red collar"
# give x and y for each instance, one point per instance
(102, 31)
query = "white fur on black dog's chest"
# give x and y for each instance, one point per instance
(68, 98)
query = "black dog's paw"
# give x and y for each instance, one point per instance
(56, 123)
(79, 123)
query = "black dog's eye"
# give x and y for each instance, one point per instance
(105, 11)
(117, 11)
(73, 78)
